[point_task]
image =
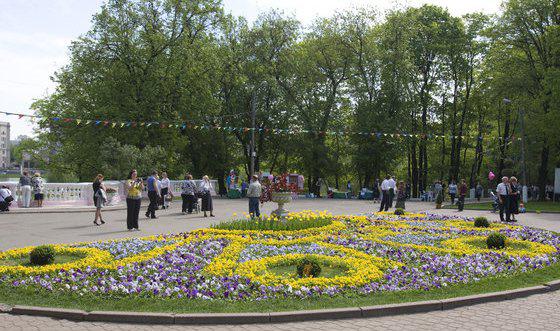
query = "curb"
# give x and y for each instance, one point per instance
(282, 317)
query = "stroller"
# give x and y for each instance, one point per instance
(495, 202)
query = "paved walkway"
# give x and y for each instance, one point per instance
(19, 230)
(538, 312)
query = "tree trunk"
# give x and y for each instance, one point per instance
(414, 169)
(543, 171)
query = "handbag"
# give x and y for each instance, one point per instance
(9, 199)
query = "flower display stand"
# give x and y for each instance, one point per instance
(281, 198)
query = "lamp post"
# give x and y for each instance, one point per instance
(522, 129)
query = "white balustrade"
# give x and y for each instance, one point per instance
(81, 194)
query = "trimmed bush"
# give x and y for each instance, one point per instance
(42, 255)
(308, 267)
(399, 211)
(481, 222)
(496, 240)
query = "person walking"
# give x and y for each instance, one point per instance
(385, 195)
(479, 191)
(319, 186)
(462, 194)
(254, 193)
(188, 188)
(503, 190)
(401, 195)
(376, 191)
(392, 189)
(165, 190)
(134, 187)
(99, 198)
(38, 184)
(153, 195)
(206, 190)
(514, 198)
(438, 189)
(25, 187)
(452, 191)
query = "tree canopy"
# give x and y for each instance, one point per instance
(415, 92)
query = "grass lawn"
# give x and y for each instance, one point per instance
(24, 260)
(531, 206)
(38, 297)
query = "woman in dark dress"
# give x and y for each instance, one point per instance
(98, 198)
(206, 191)
(514, 198)
(401, 195)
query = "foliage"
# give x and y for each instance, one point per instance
(273, 223)
(418, 91)
(42, 255)
(496, 240)
(481, 222)
(308, 267)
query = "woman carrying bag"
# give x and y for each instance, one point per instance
(206, 193)
(99, 198)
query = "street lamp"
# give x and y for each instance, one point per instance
(522, 129)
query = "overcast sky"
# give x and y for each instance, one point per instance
(35, 34)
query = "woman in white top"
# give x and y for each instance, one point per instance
(165, 185)
(206, 191)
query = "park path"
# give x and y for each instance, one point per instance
(19, 230)
(537, 312)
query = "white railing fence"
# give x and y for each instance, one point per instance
(81, 194)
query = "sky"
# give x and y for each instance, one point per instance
(35, 35)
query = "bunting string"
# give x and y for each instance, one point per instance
(226, 128)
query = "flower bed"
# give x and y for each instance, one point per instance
(376, 253)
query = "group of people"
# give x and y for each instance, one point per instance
(389, 189)
(28, 186)
(508, 192)
(160, 194)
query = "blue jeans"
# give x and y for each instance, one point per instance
(254, 207)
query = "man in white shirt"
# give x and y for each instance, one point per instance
(385, 189)
(503, 190)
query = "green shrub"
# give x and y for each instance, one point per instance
(308, 267)
(496, 240)
(481, 222)
(275, 225)
(42, 255)
(399, 211)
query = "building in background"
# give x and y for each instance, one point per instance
(4, 145)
